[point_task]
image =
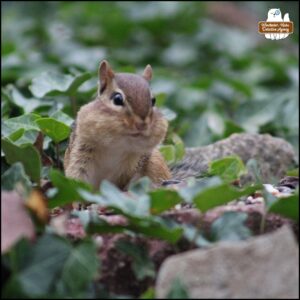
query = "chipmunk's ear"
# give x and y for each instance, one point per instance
(147, 73)
(106, 75)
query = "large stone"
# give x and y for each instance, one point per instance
(262, 267)
(274, 156)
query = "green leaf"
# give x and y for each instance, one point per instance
(169, 114)
(293, 172)
(14, 176)
(53, 267)
(230, 128)
(45, 263)
(230, 227)
(25, 122)
(142, 265)
(141, 186)
(113, 197)
(168, 152)
(155, 227)
(28, 105)
(286, 206)
(179, 147)
(135, 210)
(148, 294)
(28, 137)
(79, 269)
(27, 154)
(228, 168)
(253, 168)
(62, 117)
(196, 186)
(219, 195)
(56, 130)
(52, 83)
(16, 134)
(163, 199)
(193, 235)
(177, 290)
(66, 189)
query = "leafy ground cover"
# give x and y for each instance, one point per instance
(210, 79)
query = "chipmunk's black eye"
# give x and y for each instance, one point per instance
(118, 99)
(153, 101)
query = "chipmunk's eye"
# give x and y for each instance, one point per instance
(153, 101)
(118, 99)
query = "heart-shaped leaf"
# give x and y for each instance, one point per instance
(54, 83)
(228, 168)
(27, 154)
(25, 122)
(221, 194)
(56, 130)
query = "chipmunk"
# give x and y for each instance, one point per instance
(115, 137)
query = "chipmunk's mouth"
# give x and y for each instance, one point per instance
(140, 134)
(136, 134)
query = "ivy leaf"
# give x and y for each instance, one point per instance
(179, 147)
(230, 128)
(152, 226)
(27, 154)
(66, 189)
(46, 261)
(24, 122)
(230, 227)
(177, 290)
(141, 186)
(79, 269)
(228, 168)
(168, 152)
(56, 130)
(219, 195)
(169, 114)
(14, 176)
(136, 212)
(53, 83)
(28, 105)
(142, 265)
(196, 186)
(16, 134)
(28, 137)
(163, 199)
(286, 206)
(62, 117)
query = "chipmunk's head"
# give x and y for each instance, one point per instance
(128, 104)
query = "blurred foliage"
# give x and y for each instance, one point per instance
(218, 79)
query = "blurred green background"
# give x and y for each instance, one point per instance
(211, 66)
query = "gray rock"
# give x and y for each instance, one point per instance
(274, 156)
(262, 267)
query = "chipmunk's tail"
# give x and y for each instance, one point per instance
(274, 155)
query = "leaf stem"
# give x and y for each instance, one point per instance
(74, 105)
(57, 155)
(263, 222)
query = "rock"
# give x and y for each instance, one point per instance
(274, 156)
(262, 267)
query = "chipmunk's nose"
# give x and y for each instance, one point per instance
(141, 126)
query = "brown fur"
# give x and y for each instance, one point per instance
(107, 143)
